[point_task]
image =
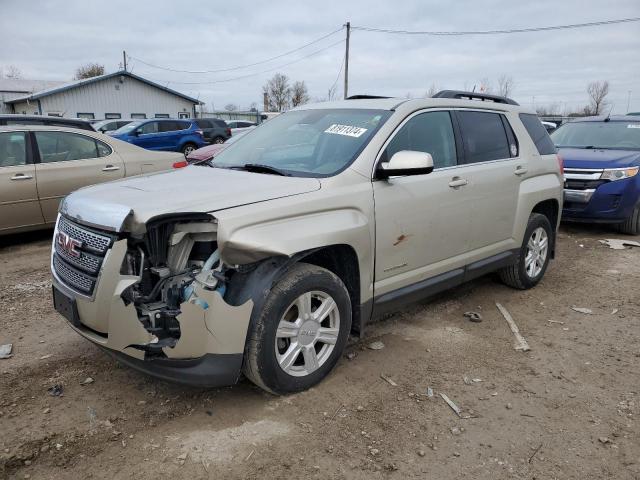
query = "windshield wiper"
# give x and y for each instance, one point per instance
(260, 168)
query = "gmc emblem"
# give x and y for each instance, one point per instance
(68, 244)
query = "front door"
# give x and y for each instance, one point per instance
(19, 205)
(69, 161)
(422, 221)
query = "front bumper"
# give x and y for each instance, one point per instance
(608, 202)
(212, 332)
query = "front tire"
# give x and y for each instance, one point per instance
(533, 257)
(631, 225)
(301, 331)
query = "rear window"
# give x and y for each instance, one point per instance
(538, 134)
(483, 136)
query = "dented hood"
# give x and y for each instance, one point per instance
(190, 189)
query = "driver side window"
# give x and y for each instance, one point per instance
(63, 146)
(151, 127)
(430, 132)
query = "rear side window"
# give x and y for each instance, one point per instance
(221, 123)
(538, 134)
(63, 146)
(483, 136)
(430, 132)
(204, 124)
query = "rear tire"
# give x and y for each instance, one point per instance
(533, 257)
(218, 140)
(188, 148)
(289, 350)
(631, 225)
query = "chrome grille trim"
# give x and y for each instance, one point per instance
(72, 277)
(91, 240)
(87, 262)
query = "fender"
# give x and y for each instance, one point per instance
(533, 191)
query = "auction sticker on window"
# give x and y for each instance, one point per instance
(348, 130)
(633, 125)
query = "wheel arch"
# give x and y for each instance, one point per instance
(551, 209)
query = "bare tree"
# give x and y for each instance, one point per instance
(433, 89)
(299, 94)
(598, 92)
(505, 85)
(89, 70)
(231, 107)
(11, 72)
(332, 93)
(278, 92)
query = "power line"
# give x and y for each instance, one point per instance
(239, 67)
(211, 82)
(339, 72)
(497, 32)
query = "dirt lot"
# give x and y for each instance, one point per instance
(566, 409)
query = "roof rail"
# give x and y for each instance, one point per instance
(474, 96)
(364, 97)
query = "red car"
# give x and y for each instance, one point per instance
(207, 153)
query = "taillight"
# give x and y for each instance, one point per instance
(229, 131)
(560, 164)
(200, 132)
(181, 164)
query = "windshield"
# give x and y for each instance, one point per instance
(127, 128)
(306, 143)
(610, 135)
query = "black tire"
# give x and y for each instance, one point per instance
(218, 140)
(260, 362)
(516, 275)
(187, 148)
(631, 225)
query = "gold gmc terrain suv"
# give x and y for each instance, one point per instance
(264, 259)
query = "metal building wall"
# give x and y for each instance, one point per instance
(123, 95)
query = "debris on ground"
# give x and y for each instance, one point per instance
(351, 355)
(87, 381)
(44, 357)
(473, 316)
(521, 343)
(388, 380)
(5, 350)
(604, 440)
(453, 406)
(377, 345)
(429, 392)
(56, 391)
(614, 311)
(586, 311)
(534, 453)
(617, 244)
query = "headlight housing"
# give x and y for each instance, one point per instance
(619, 173)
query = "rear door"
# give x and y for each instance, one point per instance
(207, 128)
(67, 161)
(493, 171)
(19, 205)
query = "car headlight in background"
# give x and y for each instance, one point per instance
(619, 173)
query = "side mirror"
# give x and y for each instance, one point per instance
(406, 162)
(135, 133)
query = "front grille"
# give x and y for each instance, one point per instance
(575, 184)
(72, 277)
(80, 271)
(91, 240)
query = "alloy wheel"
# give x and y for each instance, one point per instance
(537, 251)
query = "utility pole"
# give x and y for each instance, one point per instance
(346, 62)
(124, 60)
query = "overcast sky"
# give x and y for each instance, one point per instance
(50, 39)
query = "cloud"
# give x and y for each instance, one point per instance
(49, 40)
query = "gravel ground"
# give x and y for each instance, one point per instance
(567, 409)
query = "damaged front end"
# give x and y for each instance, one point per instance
(155, 298)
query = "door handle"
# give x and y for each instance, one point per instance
(457, 182)
(110, 168)
(21, 176)
(520, 170)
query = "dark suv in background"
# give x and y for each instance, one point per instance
(213, 129)
(45, 120)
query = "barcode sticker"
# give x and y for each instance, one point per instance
(347, 130)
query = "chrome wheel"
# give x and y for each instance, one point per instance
(307, 333)
(537, 250)
(219, 140)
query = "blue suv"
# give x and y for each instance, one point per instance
(601, 161)
(168, 135)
